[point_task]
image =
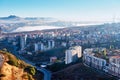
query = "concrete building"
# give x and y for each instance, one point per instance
(36, 47)
(69, 56)
(72, 54)
(42, 47)
(23, 39)
(39, 46)
(64, 44)
(93, 61)
(114, 65)
(79, 50)
(51, 44)
(110, 65)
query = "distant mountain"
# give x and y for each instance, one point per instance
(11, 17)
(15, 23)
(14, 17)
(41, 18)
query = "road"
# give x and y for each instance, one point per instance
(47, 74)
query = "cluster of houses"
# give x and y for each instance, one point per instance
(103, 59)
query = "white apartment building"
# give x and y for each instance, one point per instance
(79, 50)
(114, 65)
(39, 46)
(90, 60)
(72, 54)
(23, 39)
(51, 44)
(36, 47)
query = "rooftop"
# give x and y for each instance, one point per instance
(115, 56)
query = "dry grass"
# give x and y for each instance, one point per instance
(78, 72)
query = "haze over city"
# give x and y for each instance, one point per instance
(70, 10)
(59, 40)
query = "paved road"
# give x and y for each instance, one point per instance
(47, 74)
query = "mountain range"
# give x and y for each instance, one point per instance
(15, 23)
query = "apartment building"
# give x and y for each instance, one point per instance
(114, 65)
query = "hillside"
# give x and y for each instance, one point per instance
(79, 72)
(12, 68)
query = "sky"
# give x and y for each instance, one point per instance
(82, 10)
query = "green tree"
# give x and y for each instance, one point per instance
(31, 70)
(30, 77)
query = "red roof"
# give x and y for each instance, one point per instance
(115, 57)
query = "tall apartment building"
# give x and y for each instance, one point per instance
(79, 50)
(39, 46)
(72, 54)
(23, 39)
(51, 44)
(36, 47)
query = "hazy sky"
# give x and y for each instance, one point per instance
(84, 10)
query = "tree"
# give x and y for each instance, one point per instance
(31, 70)
(105, 52)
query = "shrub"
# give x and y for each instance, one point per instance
(2, 75)
(31, 70)
(12, 60)
(30, 77)
(25, 76)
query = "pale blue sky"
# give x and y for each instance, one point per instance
(84, 10)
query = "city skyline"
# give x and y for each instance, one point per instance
(82, 10)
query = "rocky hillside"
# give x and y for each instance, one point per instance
(12, 68)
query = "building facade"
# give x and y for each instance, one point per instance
(51, 44)
(93, 61)
(23, 40)
(39, 46)
(114, 65)
(110, 65)
(72, 54)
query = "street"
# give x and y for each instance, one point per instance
(47, 74)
